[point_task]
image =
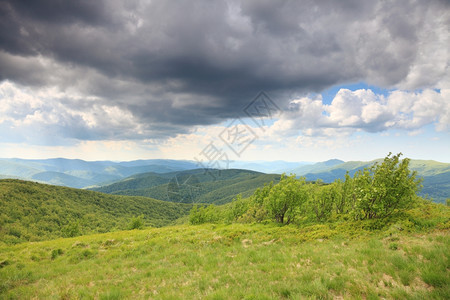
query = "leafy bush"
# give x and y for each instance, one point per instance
(204, 214)
(323, 201)
(136, 222)
(56, 253)
(381, 195)
(285, 199)
(393, 246)
(384, 188)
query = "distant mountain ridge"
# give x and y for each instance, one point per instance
(78, 173)
(317, 167)
(277, 167)
(83, 174)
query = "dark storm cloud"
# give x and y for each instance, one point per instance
(174, 64)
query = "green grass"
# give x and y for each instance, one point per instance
(231, 262)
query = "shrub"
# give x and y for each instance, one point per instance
(56, 253)
(393, 246)
(285, 199)
(384, 188)
(202, 214)
(322, 202)
(136, 223)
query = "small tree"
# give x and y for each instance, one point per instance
(323, 198)
(384, 188)
(343, 193)
(136, 222)
(196, 215)
(204, 214)
(285, 198)
(237, 208)
(261, 194)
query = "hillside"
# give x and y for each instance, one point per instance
(192, 186)
(32, 211)
(238, 261)
(367, 237)
(437, 187)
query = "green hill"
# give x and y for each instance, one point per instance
(238, 261)
(368, 237)
(429, 167)
(32, 211)
(437, 187)
(212, 186)
(135, 182)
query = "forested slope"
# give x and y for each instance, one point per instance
(31, 211)
(207, 186)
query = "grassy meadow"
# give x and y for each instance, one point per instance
(237, 261)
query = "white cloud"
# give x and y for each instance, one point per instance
(415, 110)
(27, 114)
(363, 110)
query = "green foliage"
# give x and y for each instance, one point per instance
(393, 246)
(284, 200)
(256, 210)
(382, 193)
(436, 175)
(204, 214)
(32, 212)
(323, 200)
(136, 222)
(344, 198)
(385, 188)
(237, 208)
(71, 230)
(56, 252)
(197, 215)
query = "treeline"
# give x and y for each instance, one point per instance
(383, 190)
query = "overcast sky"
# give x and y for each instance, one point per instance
(131, 79)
